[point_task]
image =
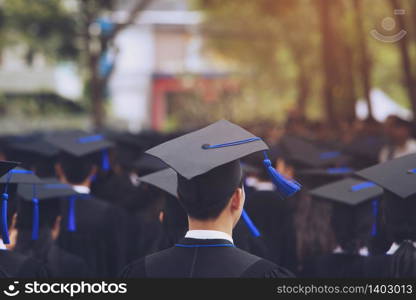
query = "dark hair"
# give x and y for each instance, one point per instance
(77, 169)
(352, 225)
(401, 228)
(205, 196)
(49, 210)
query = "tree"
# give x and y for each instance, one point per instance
(82, 34)
(404, 48)
(98, 45)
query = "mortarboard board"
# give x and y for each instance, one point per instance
(348, 191)
(78, 144)
(48, 188)
(14, 176)
(199, 152)
(397, 176)
(328, 172)
(307, 154)
(165, 180)
(33, 144)
(6, 166)
(148, 164)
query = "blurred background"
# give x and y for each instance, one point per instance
(179, 64)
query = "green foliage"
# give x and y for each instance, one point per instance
(271, 43)
(44, 26)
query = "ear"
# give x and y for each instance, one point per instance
(13, 232)
(59, 172)
(56, 229)
(94, 171)
(161, 216)
(237, 200)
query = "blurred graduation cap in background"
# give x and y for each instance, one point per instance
(397, 176)
(47, 191)
(355, 209)
(313, 178)
(147, 164)
(13, 177)
(81, 144)
(305, 154)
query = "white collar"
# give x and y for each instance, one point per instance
(208, 235)
(362, 251)
(81, 189)
(264, 186)
(394, 248)
(2, 245)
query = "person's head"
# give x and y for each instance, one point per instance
(399, 216)
(400, 131)
(217, 194)
(352, 226)
(49, 216)
(77, 170)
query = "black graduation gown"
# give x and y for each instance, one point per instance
(16, 265)
(337, 265)
(58, 262)
(244, 240)
(273, 217)
(203, 258)
(378, 266)
(99, 238)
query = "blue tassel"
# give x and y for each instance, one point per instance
(71, 215)
(253, 229)
(374, 203)
(4, 225)
(285, 187)
(35, 220)
(105, 163)
(35, 217)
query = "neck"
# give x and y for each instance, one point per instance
(217, 224)
(86, 182)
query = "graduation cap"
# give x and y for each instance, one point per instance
(348, 191)
(166, 180)
(34, 144)
(148, 164)
(199, 152)
(49, 188)
(80, 144)
(14, 176)
(306, 153)
(328, 172)
(397, 176)
(351, 199)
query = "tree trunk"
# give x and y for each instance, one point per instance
(364, 61)
(403, 45)
(303, 90)
(324, 7)
(96, 93)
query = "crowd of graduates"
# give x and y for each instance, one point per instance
(84, 204)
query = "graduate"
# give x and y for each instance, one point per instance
(13, 264)
(175, 221)
(38, 226)
(354, 219)
(211, 191)
(91, 228)
(397, 177)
